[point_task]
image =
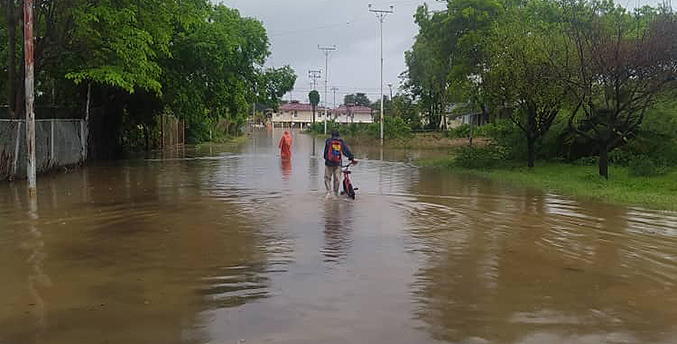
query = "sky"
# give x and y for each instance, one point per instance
(296, 27)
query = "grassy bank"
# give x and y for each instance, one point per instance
(431, 140)
(658, 192)
(227, 140)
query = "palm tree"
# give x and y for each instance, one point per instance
(314, 97)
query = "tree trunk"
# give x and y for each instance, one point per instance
(20, 92)
(531, 152)
(313, 114)
(146, 137)
(604, 161)
(11, 58)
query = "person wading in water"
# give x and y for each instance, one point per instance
(334, 149)
(285, 145)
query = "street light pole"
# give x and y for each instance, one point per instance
(381, 15)
(326, 50)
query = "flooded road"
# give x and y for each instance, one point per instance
(231, 245)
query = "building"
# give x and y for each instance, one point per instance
(299, 115)
(353, 114)
(296, 114)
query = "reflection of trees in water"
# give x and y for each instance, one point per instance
(503, 264)
(338, 229)
(140, 256)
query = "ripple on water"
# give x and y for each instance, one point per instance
(236, 285)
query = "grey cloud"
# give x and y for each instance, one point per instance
(296, 27)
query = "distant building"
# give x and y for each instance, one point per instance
(296, 114)
(353, 114)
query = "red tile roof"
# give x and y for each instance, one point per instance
(299, 107)
(353, 109)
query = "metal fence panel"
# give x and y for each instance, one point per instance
(59, 142)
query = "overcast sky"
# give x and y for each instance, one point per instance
(296, 27)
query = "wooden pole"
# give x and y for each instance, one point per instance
(30, 114)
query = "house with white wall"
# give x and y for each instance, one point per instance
(353, 114)
(296, 114)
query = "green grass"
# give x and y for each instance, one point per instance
(658, 192)
(227, 140)
(432, 141)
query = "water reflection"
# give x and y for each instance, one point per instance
(285, 167)
(135, 244)
(207, 246)
(546, 268)
(337, 229)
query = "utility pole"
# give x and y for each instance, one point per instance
(391, 91)
(314, 75)
(326, 50)
(381, 15)
(30, 95)
(334, 88)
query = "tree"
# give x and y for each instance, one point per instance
(404, 107)
(214, 70)
(519, 73)
(620, 63)
(198, 61)
(11, 56)
(275, 83)
(314, 98)
(358, 99)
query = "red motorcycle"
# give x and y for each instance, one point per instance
(348, 188)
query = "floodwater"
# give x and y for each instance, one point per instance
(231, 245)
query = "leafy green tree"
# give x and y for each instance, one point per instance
(275, 83)
(314, 98)
(619, 63)
(404, 107)
(448, 56)
(120, 42)
(519, 74)
(359, 99)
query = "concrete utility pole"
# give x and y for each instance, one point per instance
(326, 50)
(314, 75)
(30, 95)
(381, 15)
(391, 91)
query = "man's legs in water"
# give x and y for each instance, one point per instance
(329, 172)
(337, 179)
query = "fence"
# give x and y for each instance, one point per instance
(58, 142)
(173, 132)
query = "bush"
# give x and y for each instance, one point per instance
(644, 166)
(393, 128)
(480, 157)
(621, 157)
(587, 161)
(459, 132)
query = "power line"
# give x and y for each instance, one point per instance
(314, 75)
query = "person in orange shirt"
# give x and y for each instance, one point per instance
(285, 145)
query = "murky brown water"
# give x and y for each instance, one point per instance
(219, 245)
